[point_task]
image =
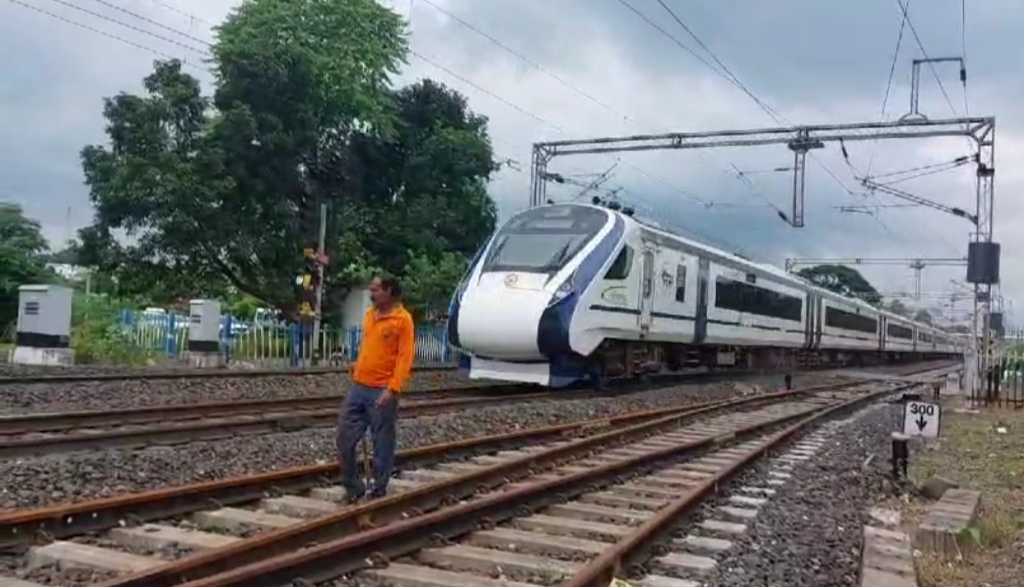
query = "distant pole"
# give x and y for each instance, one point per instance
(321, 246)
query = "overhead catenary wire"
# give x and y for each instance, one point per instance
(923, 170)
(963, 50)
(97, 31)
(428, 60)
(569, 85)
(727, 74)
(924, 52)
(579, 91)
(148, 20)
(888, 83)
(180, 12)
(132, 27)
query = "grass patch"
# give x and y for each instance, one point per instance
(983, 451)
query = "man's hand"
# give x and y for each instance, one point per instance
(386, 397)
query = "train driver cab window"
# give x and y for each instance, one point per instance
(621, 265)
(543, 240)
(681, 283)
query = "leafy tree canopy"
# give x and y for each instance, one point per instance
(923, 316)
(842, 280)
(226, 189)
(22, 247)
(898, 307)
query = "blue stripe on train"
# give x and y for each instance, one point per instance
(553, 330)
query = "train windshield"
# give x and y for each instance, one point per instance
(543, 240)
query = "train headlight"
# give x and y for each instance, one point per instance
(564, 290)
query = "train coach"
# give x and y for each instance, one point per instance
(570, 291)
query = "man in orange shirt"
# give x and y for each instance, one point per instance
(382, 368)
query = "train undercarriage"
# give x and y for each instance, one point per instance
(615, 358)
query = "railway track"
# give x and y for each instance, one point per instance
(53, 432)
(189, 373)
(579, 456)
(45, 433)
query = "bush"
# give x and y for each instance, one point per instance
(97, 335)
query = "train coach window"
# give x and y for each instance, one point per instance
(681, 283)
(621, 265)
(897, 331)
(924, 337)
(751, 299)
(836, 318)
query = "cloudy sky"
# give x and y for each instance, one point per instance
(544, 70)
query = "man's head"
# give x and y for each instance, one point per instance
(385, 291)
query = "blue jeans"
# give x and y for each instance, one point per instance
(359, 412)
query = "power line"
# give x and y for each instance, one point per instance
(963, 49)
(888, 84)
(924, 52)
(181, 12)
(571, 86)
(480, 88)
(130, 26)
(524, 58)
(590, 97)
(101, 32)
(150, 21)
(729, 76)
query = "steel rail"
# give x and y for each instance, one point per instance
(55, 421)
(72, 519)
(213, 429)
(367, 518)
(219, 373)
(623, 557)
(266, 422)
(323, 560)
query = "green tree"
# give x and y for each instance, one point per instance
(22, 247)
(842, 280)
(431, 281)
(898, 307)
(68, 255)
(923, 316)
(228, 189)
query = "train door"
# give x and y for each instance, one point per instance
(700, 327)
(819, 322)
(646, 288)
(882, 323)
(809, 321)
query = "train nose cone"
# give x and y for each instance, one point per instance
(499, 317)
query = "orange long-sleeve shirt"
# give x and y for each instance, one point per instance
(387, 350)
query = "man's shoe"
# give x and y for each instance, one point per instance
(353, 499)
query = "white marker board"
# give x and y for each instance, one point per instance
(922, 419)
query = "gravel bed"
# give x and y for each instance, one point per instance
(810, 531)
(98, 395)
(33, 482)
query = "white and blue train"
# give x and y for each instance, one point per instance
(571, 291)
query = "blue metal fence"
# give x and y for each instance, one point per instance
(167, 334)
